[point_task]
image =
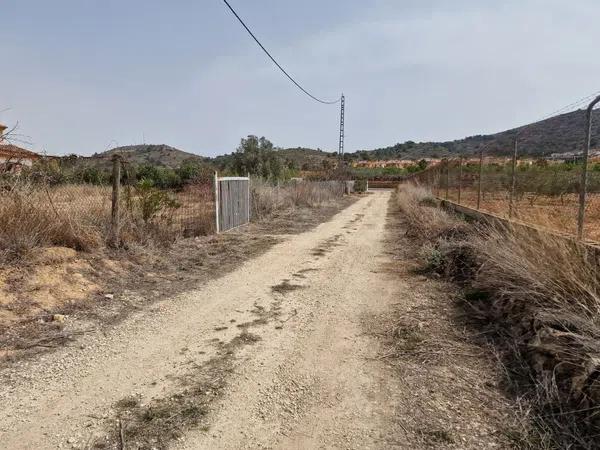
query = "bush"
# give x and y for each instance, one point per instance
(360, 185)
(152, 201)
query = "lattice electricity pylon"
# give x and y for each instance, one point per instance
(341, 148)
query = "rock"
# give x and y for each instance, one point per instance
(109, 296)
(58, 317)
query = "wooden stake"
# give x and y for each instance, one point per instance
(116, 200)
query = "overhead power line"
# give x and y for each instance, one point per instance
(572, 106)
(275, 62)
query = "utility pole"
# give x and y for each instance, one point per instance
(341, 148)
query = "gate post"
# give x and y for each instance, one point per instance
(584, 169)
(116, 200)
(217, 201)
(513, 181)
(249, 198)
(479, 181)
(460, 169)
(447, 177)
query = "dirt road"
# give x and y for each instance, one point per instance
(306, 380)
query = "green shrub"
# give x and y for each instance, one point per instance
(152, 200)
(360, 185)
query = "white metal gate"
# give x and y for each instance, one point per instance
(232, 202)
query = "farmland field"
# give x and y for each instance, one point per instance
(544, 196)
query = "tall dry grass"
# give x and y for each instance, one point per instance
(267, 198)
(419, 208)
(30, 219)
(540, 295)
(79, 216)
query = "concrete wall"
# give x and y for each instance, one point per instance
(23, 161)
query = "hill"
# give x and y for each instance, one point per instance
(558, 134)
(156, 155)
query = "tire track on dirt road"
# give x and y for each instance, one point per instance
(319, 384)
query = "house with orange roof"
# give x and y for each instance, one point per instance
(13, 158)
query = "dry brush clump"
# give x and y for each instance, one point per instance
(425, 221)
(542, 293)
(539, 296)
(441, 236)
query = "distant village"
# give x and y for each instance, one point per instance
(554, 158)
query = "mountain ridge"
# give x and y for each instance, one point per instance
(558, 134)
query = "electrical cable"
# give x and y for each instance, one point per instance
(275, 62)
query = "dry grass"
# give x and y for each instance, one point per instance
(78, 217)
(267, 198)
(540, 296)
(419, 208)
(30, 219)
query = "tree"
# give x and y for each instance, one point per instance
(256, 156)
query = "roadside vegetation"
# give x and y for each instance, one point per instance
(536, 298)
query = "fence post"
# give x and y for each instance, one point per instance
(248, 197)
(460, 168)
(116, 200)
(217, 201)
(586, 152)
(447, 177)
(513, 180)
(479, 181)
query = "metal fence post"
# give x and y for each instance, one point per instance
(116, 200)
(480, 177)
(513, 180)
(460, 168)
(586, 152)
(217, 201)
(447, 177)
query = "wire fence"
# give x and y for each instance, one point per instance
(46, 208)
(540, 192)
(560, 193)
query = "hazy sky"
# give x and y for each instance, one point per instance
(82, 75)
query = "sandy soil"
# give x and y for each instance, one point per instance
(287, 351)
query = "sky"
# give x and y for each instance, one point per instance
(82, 76)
